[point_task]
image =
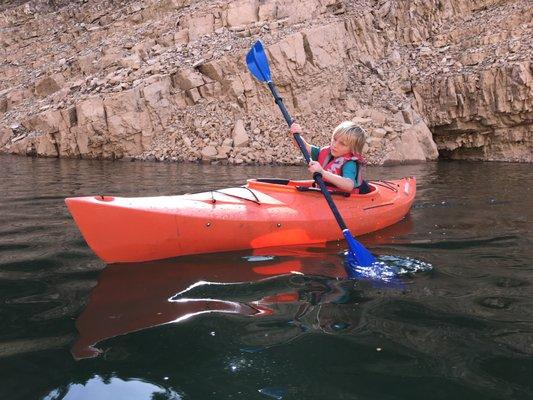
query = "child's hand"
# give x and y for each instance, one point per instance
(296, 128)
(314, 166)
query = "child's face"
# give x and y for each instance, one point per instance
(339, 146)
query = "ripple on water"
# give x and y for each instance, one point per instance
(511, 282)
(14, 246)
(19, 230)
(496, 302)
(467, 243)
(387, 269)
(32, 264)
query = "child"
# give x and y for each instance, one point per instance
(340, 163)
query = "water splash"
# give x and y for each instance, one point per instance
(386, 269)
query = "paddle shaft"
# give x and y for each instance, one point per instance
(317, 176)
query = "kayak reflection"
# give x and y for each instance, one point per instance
(264, 282)
(132, 297)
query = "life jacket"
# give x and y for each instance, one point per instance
(334, 165)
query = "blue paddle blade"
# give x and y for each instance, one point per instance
(258, 63)
(357, 253)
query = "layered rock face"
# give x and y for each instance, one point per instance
(167, 80)
(480, 103)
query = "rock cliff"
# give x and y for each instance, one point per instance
(166, 79)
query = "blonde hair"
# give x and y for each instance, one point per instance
(353, 134)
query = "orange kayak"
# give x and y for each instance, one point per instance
(262, 213)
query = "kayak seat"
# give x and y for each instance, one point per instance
(365, 188)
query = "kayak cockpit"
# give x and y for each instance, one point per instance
(299, 185)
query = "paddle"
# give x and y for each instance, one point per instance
(258, 65)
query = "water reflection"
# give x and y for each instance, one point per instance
(114, 388)
(133, 297)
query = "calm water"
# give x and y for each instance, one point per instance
(273, 324)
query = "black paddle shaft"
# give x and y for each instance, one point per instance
(317, 176)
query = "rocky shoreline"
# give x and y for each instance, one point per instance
(166, 80)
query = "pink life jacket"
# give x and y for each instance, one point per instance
(334, 165)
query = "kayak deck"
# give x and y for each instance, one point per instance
(263, 213)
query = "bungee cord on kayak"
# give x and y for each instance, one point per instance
(385, 184)
(255, 200)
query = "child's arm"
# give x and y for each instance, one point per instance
(345, 184)
(296, 128)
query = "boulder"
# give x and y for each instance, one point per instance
(405, 149)
(187, 79)
(92, 126)
(209, 153)
(133, 61)
(181, 37)
(326, 44)
(200, 26)
(46, 145)
(241, 12)
(49, 85)
(240, 137)
(16, 96)
(5, 135)
(128, 122)
(46, 122)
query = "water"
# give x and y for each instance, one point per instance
(272, 324)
